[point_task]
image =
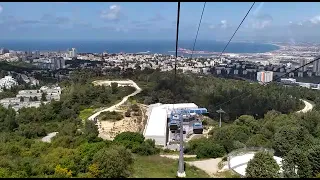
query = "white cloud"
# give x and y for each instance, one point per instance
(260, 21)
(1, 9)
(223, 24)
(315, 20)
(113, 13)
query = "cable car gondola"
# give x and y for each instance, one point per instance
(197, 128)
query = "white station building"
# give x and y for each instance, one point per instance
(158, 118)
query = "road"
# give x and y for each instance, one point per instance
(112, 108)
(308, 107)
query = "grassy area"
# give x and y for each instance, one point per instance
(86, 113)
(227, 174)
(160, 167)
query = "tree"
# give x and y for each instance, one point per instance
(262, 165)
(91, 128)
(314, 158)
(210, 151)
(127, 113)
(43, 97)
(296, 165)
(146, 148)
(113, 162)
(286, 138)
(114, 88)
(35, 98)
(60, 172)
(258, 140)
(129, 139)
(135, 107)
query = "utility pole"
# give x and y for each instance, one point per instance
(220, 111)
(181, 173)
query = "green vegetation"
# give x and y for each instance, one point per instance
(227, 174)
(77, 151)
(204, 148)
(136, 143)
(16, 66)
(156, 166)
(210, 92)
(110, 116)
(86, 113)
(262, 166)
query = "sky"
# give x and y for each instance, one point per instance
(291, 21)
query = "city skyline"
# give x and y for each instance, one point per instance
(123, 20)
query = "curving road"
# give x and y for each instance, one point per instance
(308, 107)
(112, 108)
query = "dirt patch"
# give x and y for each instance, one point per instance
(108, 129)
(210, 166)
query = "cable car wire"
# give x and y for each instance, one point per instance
(236, 30)
(195, 40)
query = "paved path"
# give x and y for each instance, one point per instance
(308, 107)
(112, 108)
(174, 156)
(48, 137)
(210, 166)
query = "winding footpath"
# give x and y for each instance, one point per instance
(112, 108)
(307, 107)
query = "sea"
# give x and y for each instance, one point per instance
(134, 46)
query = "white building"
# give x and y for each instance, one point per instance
(22, 99)
(73, 52)
(302, 63)
(265, 76)
(7, 82)
(316, 67)
(288, 80)
(156, 127)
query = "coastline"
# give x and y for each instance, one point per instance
(143, 47)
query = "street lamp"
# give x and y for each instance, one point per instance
(220, 111)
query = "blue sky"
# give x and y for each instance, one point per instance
(156, 20)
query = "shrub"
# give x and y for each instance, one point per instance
(210, 151)
(111, 116)
(127, 113)
(135, 107)
(132, 136)
(262, 166)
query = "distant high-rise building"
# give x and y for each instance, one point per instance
(265, 76)
(58, 63)
(302, 63)
(73, 52)
(316, 67)
(4, 50)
